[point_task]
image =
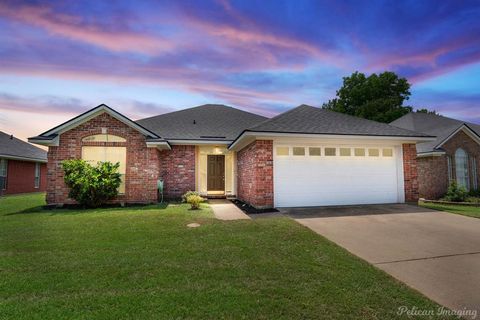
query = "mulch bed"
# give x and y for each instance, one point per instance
(248, 209)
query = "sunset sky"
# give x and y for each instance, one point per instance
(58, 59)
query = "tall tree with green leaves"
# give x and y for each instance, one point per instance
(376, 97)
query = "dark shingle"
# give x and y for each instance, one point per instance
(307, 119)
(17, 148)
(439, 126)
(206, 122)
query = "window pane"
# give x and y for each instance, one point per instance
(3, 174)
(345, 152)
(298, 151)
(450, 169)
(373, 152)
(315, 151)
(387, 152)
(330, 151)
(359, 152)
(37, 175)
(461, 168)
(3, 167)
(282, 151)
(474, 173)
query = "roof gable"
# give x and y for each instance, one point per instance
(51, 136)
(13, 148)
(466, 129)
(442, 127)
(84, 117)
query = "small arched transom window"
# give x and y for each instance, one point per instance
(461, 168)
(103, 138)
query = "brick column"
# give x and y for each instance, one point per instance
(410, 173)
(255, 174)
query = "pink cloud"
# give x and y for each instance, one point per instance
(73, 27)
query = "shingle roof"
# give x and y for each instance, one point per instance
(13, 147)
(206, 122)
(307, 119)
(434, 125)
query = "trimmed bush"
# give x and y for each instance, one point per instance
(194, 201)
(91, 186)
(456, 193)
(189, 193)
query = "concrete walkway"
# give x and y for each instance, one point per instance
(437, 253)
(226, 210)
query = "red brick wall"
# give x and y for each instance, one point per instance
(432, 177)
(21, 177)
(255, 174)
(178, 170)
(433, 171)
(410, 173)
(143, 164)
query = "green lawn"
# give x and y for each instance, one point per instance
(144, 263)
(458, 209)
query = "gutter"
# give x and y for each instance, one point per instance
(326, 135)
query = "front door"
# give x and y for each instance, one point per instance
(216, 173)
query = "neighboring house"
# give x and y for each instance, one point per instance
(22, 166)
(303, 157)
(453, 156)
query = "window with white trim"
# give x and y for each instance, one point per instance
(329, 152)
(461, 168)
(373, 152)
(3, 173)
(37, 176)
(95, 154)
(345, 152)
(298, 151)
(315, 151)
(282, 151)
(387, 152)
(359, 152)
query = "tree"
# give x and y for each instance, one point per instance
(424, 110)
(376, 97)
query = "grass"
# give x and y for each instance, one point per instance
(469, 211)
(144, 263)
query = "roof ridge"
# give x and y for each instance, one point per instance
(369, 120)
(277, 116)
(201, 106)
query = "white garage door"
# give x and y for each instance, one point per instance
(321, 176)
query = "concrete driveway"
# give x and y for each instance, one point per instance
(435, 252)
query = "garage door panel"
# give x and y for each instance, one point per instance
(322, 180)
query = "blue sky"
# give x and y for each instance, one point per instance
(58, 59)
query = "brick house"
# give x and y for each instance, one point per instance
(452, 156)
(303, 157)
(22, 166)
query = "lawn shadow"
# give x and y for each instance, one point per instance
(75, 210)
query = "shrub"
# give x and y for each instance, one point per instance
(194, 201)
(189, 193)
(91, 186)
(456, 193)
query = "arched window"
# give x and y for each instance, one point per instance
(103, 138)
(461, 168)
